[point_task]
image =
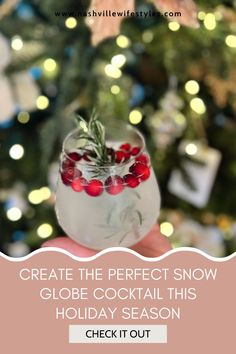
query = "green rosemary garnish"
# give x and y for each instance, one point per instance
(94, 134)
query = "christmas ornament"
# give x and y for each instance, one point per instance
(106, 196)
(105, 26)
(201, 169)
(168, 122)
(187, 8)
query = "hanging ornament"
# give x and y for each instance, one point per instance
(187, 8)
(104, 26)
(194, 182)
(168, 122)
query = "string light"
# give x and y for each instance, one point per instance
(14, 214)
(118, 60)
(192, 87)
(198, 105)
(71, 22)
(147, 36)
(230, 40)
(37, 196)
(45, 193)
(17, 43)
(174, 26)
(50, 65)
(44, 230)
(201, 15)
(42, 102)
(167, 229)
(191, 149)
(115, 89)
(23, 117)
(135, 117)
(210, 22)
(16, 152)
(112, 71)
(122, 41)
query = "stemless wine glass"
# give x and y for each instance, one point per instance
(107, 205)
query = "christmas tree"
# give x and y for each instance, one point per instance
(170, 72)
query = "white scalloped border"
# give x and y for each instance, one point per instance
(118, 249)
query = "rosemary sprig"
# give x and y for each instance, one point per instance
(94, 134)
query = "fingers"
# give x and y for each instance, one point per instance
(71, 246)
(153, 245)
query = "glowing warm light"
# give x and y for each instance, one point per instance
(50, 64)
(45, 193)
(112, 71)
(115, 89)
(210, 22)
(191, 149)
(118, 60)
(167, 229)
(44, 230)
(192, 87)
(174, 26)
(42, 102)
(23, 117)
(122, 41)
(35, 197)
(201, 15)
(14, 214)
(147, 36)
(198, 105)
(16, 43)
(135, 117)
(16, 152)
(230, 40)
(71, 22)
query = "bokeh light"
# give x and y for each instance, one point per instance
(135, 117)
(16, 152)
(45, 230)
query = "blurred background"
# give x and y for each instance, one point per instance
(176, 84)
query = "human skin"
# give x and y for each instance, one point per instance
(153, 245)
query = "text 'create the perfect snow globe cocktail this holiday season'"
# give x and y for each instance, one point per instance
(107, 193)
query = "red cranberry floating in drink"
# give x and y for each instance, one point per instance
(131, 181)
(125, 147)
(94, 188)
(140, 170)
(78, 184)
(135, 150)
(114, 185)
